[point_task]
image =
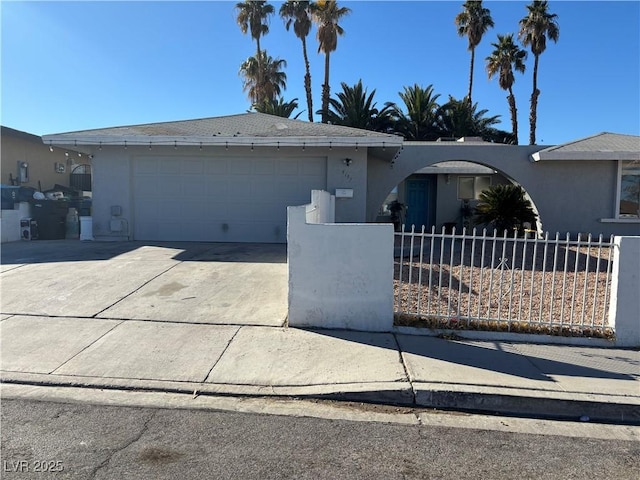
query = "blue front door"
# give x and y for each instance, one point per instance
(417, 197)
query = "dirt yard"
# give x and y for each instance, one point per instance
(559, 290)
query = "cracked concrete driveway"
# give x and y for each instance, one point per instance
(209, 283)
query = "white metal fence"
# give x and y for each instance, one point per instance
(489, 282)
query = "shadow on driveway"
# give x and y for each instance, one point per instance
(51, 251)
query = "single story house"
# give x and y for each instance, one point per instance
(231, 178)
(224, 179)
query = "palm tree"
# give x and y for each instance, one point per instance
(505, 208)
(264, 79)
(535, 28)
(253, 16)
(420, 122)
(506, 57)
(459, 119)
(278, 107)
(354, 108)
(298, 14)
(473, 22)
(327, 14)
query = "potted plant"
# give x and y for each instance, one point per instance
(397, 209)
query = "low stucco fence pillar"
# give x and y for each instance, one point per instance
(624, 305)
(340, 275)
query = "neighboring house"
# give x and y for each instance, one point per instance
(231, 178)
(27, 166)
(27, 162)
(226, 178)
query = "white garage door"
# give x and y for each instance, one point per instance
(220, 199)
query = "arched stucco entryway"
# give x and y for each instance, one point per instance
(514, 163)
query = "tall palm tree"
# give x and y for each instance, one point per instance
(263, 79)
(420, 122)
(298, 14)
(506, 57)
(473, 22)
(278, 107)
(353, 107)
(535, 28)
(327, 14)
(253, 17)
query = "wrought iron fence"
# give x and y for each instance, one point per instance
(507, 283)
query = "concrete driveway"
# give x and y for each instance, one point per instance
(207, 283)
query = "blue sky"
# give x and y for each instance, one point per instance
(70, 66)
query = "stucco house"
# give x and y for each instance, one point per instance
(28, 162)
(231, 178)
(224, 179)
(29, 165)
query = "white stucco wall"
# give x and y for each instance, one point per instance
(340, 275)
(10, 225)
(624, 306)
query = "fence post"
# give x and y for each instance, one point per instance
(624, 304)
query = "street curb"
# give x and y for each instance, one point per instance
(615, 409)
(532, 406)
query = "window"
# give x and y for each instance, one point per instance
(470, 188)
(629, 191)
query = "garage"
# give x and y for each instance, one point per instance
(223, 179)
(220, 199)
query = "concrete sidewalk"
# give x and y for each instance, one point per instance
(490, 376)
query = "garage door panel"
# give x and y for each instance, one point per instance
(313, 166)
(169, 185)
(147, 209)
(168, 166)
(264, 166)
(241, 166)
(193, 166)
(217, 188)
(239, 190)
(233, 199)
(145, 186)
(194, 186)
(216, 166)
(146, 166)
(287, 166)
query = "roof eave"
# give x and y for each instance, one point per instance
(312, 141)
(584, 156)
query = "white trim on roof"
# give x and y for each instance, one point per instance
(259, 141)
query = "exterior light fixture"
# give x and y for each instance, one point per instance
(347, 161)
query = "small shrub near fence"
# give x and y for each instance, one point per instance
(555, 286)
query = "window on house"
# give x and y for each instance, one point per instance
(470, 188)
(629, 205)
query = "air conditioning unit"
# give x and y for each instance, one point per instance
(28, 229)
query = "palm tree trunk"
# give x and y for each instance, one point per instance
(514, 115)
(534, 104)
(325, 89)
(260, 90)
(473, 55)
(307, 79)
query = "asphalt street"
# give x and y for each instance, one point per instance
(74, 440)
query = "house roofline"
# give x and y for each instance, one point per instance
(71, 140)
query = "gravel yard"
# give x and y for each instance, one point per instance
(556, 288)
